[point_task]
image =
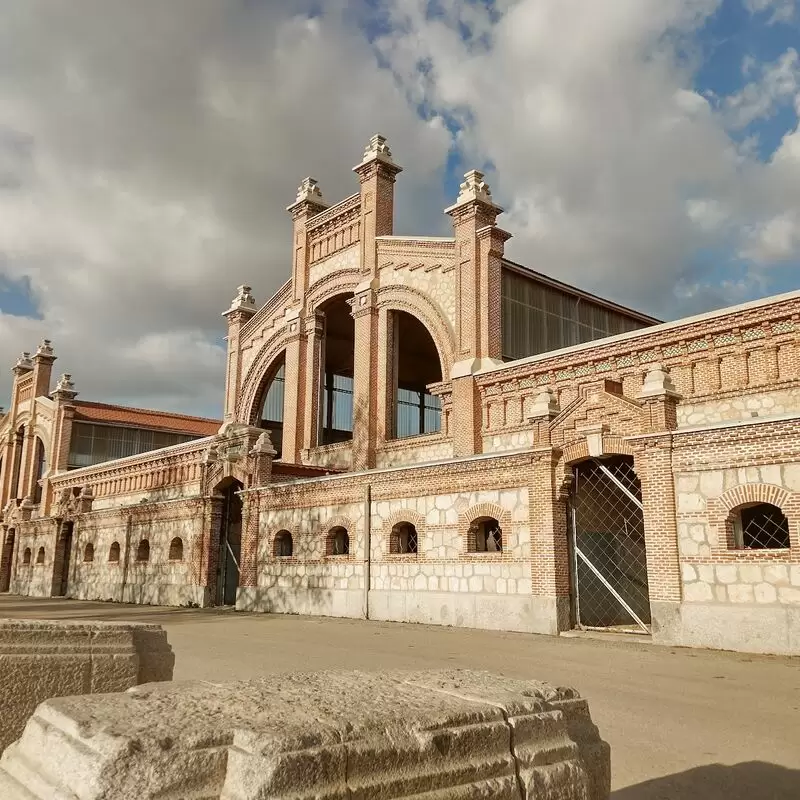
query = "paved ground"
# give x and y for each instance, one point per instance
(683, 724)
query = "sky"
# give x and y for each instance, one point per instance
(646, 150)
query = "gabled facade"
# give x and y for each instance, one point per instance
(417, 429)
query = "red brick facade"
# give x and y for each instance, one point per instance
(706, 410)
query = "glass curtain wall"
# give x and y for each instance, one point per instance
(538, 318)
(93, 444)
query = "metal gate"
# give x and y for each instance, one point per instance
(609, 561)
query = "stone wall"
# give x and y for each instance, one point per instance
(445, 582)
(733, 598)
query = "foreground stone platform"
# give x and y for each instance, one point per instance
(326, 735)
(40, 659)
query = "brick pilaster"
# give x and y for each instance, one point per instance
(365, 377)
(653, 463)
(241, 310)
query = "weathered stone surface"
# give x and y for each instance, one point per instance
(40, 659)
(452, 734)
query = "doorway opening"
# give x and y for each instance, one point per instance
(62, 558)
(8, 557)
(230, 544)
(608, 555)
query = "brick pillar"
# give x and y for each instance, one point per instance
(479, 252)
(294, 392)
(313, 331)
(308, 203)
(376, 173)
(365, 377)
(387, 377)
(550, 581)
(260, 471)
(466, 416)
(653, 463)
(242, 309)
(43, 368)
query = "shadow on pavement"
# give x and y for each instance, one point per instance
(754, 780)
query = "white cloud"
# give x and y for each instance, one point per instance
(147, 153)
(779, 10)
(777, 83)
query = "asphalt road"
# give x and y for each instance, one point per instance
(683, 724)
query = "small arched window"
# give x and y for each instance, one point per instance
(760, 526)
(26, 557)
(40, 556)
(404, 538)
(143, 551)
(338, 541)
(485, 536)
(176, 549)
(284, 545)
(113, 553)
(88, 552)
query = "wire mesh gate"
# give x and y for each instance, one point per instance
(609, 561)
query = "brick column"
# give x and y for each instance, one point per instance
(313, 327)
(308, 203)
(294, 392)
(365, 377)
(260, 470)
(466, 414)
(653, 463)
(387, 377)
(376, 173)
(550, 570)
(242, 309)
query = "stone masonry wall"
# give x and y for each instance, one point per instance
(738, 599)
(444, 583)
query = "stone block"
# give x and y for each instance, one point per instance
(450, 734)
(40, 659)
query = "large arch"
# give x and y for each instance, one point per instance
(268, 407)
(417, 304)
(258, 375)
(329, 287)
(412, 365)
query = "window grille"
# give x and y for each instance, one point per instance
(761, 527)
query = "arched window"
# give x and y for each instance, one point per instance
(26, 557)
(338, 541)
(272, 409)
(284, 546)
(41, 466)
(485, 536)
(88, 552)
(40, 556)
(416, 367)
(404, 538)
(143, 551)
(176, 549)
(760, 526)
(113, 553)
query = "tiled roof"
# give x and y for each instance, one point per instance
(144, 418)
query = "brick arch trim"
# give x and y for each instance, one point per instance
(418, 305)
(338, 522)
(493, 510)
(502, 515)
(748, 493)
(403, 515)
(344, 282)
(612, 445)
(257, 376)
(276, 531)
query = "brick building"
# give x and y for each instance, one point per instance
(418, 429)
